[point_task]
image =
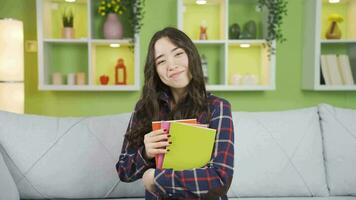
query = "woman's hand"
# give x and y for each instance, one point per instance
(156, 143)
(147, 179)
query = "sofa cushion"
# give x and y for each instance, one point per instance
(8, 189)
(339, 132)
(53, 157)
(278, 154)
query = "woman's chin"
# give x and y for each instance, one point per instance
(179, 84)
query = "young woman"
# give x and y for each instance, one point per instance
(174, 89)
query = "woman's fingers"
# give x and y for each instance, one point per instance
(156, 136)
(158, 145)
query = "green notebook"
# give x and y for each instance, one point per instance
(191, 146)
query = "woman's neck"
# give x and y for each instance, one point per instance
(178, 94)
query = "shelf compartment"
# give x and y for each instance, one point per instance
(52, 12)
(337, 49)
(345, 8)
(65, 58)
(104, 59)
(242, 11)
(248, 66)
(213, 13)
(98, 22)
(214, 54)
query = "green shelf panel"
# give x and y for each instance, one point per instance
(248, 61)
(66, 58)
(98, 22)
(52, 16)
(105, 59)
(211, 13)
(328, 48)
(215, 56)
(242, 11)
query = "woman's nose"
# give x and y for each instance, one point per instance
(171, 65)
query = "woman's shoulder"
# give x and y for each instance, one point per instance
(217, 101)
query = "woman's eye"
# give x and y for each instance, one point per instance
(160, 62)
(179, 53)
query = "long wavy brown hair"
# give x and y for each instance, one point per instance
(148, 107)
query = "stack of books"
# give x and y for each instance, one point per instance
(192, 144)
(336, 69)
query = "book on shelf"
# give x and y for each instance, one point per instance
(165, 125)
(325, 70)
(333, 68)
(345, 70)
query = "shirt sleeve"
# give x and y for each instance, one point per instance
(197, 183)
(132, 164)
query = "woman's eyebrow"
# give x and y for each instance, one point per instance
(158, 57)
(175, 49)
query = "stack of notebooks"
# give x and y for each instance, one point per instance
(192, 144)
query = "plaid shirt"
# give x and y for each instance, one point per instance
(209, 182)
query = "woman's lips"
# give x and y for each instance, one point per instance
(176, 74)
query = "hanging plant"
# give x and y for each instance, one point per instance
(277, 9)
(136, 14)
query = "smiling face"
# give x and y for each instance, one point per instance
(172, 64)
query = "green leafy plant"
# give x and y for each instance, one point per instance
(277, 9)
(133, 8)
(68, 19)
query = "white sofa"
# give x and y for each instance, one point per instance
(296, 155)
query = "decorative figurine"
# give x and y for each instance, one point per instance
(333, 31)
(104, 79)
(203, 31)
(120, 73)
(204, 64)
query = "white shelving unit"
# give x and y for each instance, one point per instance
(232, 61)
(315, 43)
(52, 49)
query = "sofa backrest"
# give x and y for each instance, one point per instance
(53, 157)
(276, 154)
(339, 134)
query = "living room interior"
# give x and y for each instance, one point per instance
(69, 83)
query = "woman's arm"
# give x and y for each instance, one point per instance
(213, 178)
(132, 162)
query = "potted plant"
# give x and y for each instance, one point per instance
(68, 20)
(112, 9)
(277, 9)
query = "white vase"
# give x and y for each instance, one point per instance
(68, 32)
(112, 28)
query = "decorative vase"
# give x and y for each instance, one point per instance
(333, 31)
(68, 32)
(234, 31)
(249, 30)
(112, 28)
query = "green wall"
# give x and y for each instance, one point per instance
(288, 93)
